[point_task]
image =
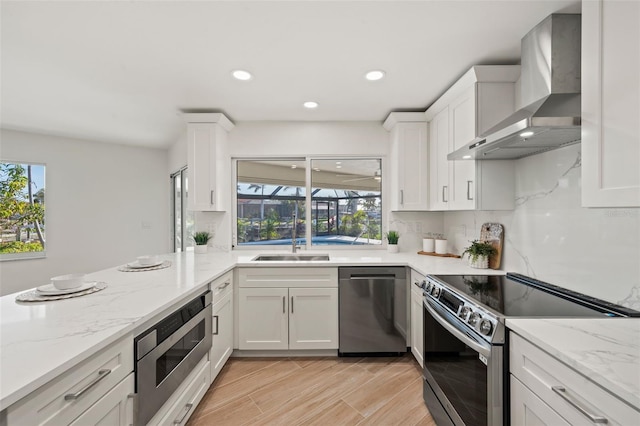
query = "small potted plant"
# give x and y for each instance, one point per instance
(479, 253)
(392, 238)
(201, 239)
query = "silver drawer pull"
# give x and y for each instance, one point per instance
(101, 375)
(469, 197)
(560, 390)
(188, 408)
(225, 285)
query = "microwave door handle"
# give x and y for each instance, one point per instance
(462, 336)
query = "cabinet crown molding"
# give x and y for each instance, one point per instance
(209, 117)
(403, 117)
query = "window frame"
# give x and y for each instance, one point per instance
(183, 176)
(5, 257)
(384, 211)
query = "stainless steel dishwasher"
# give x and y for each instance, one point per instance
(373, 310)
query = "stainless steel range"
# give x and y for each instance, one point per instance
(465, 340)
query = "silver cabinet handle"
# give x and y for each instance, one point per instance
(560, 390)
(291, 304)
(444, 200)
(188, 408)
(212, 203)
(223, 286)
(134, 397)
(101, 375)
(215, 333)
(469, 197)
(402, 197)
(284, 300)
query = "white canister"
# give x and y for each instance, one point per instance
(428, 245)
(441, 246)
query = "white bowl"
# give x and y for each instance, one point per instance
(147, 260)
(66, 282)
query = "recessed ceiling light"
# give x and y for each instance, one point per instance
(374, 75)
(242, 75)
(293, 166)
(526, 134)
(338, 162)
(310, 104)
(315, 169)
(338, 167)
(466, 157)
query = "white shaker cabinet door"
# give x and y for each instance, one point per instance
(610, 103)
(417, 325)
(313, 318)
(222, 329)
(263, 318)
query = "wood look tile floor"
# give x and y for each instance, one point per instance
(315, 391)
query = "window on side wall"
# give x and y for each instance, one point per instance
(22, 210)
(182, 219)
(344, 206)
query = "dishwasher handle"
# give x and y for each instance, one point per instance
(373, 277)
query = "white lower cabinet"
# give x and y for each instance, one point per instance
(417, 324)
(263, 319)
(113, 409)
(287, 308)
(82, 389)
(222, 328)
(545, 391)
(313, 318)
(185, 399)
(529, 410)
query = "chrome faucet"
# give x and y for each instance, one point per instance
(294, 227)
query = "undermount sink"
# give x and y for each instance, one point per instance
(291, 257)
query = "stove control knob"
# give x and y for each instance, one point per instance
(423, 285)
(427, 287)
(486, 327)
(435, 291)
(474, 318)
(464, 312)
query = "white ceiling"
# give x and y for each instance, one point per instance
(121, 71)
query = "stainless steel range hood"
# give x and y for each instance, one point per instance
(550, 89)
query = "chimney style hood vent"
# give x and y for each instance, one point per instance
(550, 89)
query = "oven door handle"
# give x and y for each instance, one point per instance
(436, 312)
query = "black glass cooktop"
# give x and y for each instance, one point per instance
(515, 295)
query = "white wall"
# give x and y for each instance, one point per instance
(105, 205)
(551, 237)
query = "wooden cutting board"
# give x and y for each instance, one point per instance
(493, 233)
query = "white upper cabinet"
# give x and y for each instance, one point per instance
(409, 162)
(610, 103)
(208, 162)
(477, 101)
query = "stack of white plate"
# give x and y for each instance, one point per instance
(66, 284)
(144, 262)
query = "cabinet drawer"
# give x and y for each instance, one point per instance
(288, 277)
(66, 397)
(541, 373)
(528, 410)
(186, 398)
(220, 287)
(113, 409)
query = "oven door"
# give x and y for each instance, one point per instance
(463, 373)
(161, 371)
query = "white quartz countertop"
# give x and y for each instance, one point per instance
(39, 341)
(606, 350)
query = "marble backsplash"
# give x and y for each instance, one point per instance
(549, 235)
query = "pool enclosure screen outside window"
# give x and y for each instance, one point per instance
(182, 219)
(335, 201)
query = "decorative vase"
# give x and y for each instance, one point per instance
(392, 248)
(480, 262)
(199, 249)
